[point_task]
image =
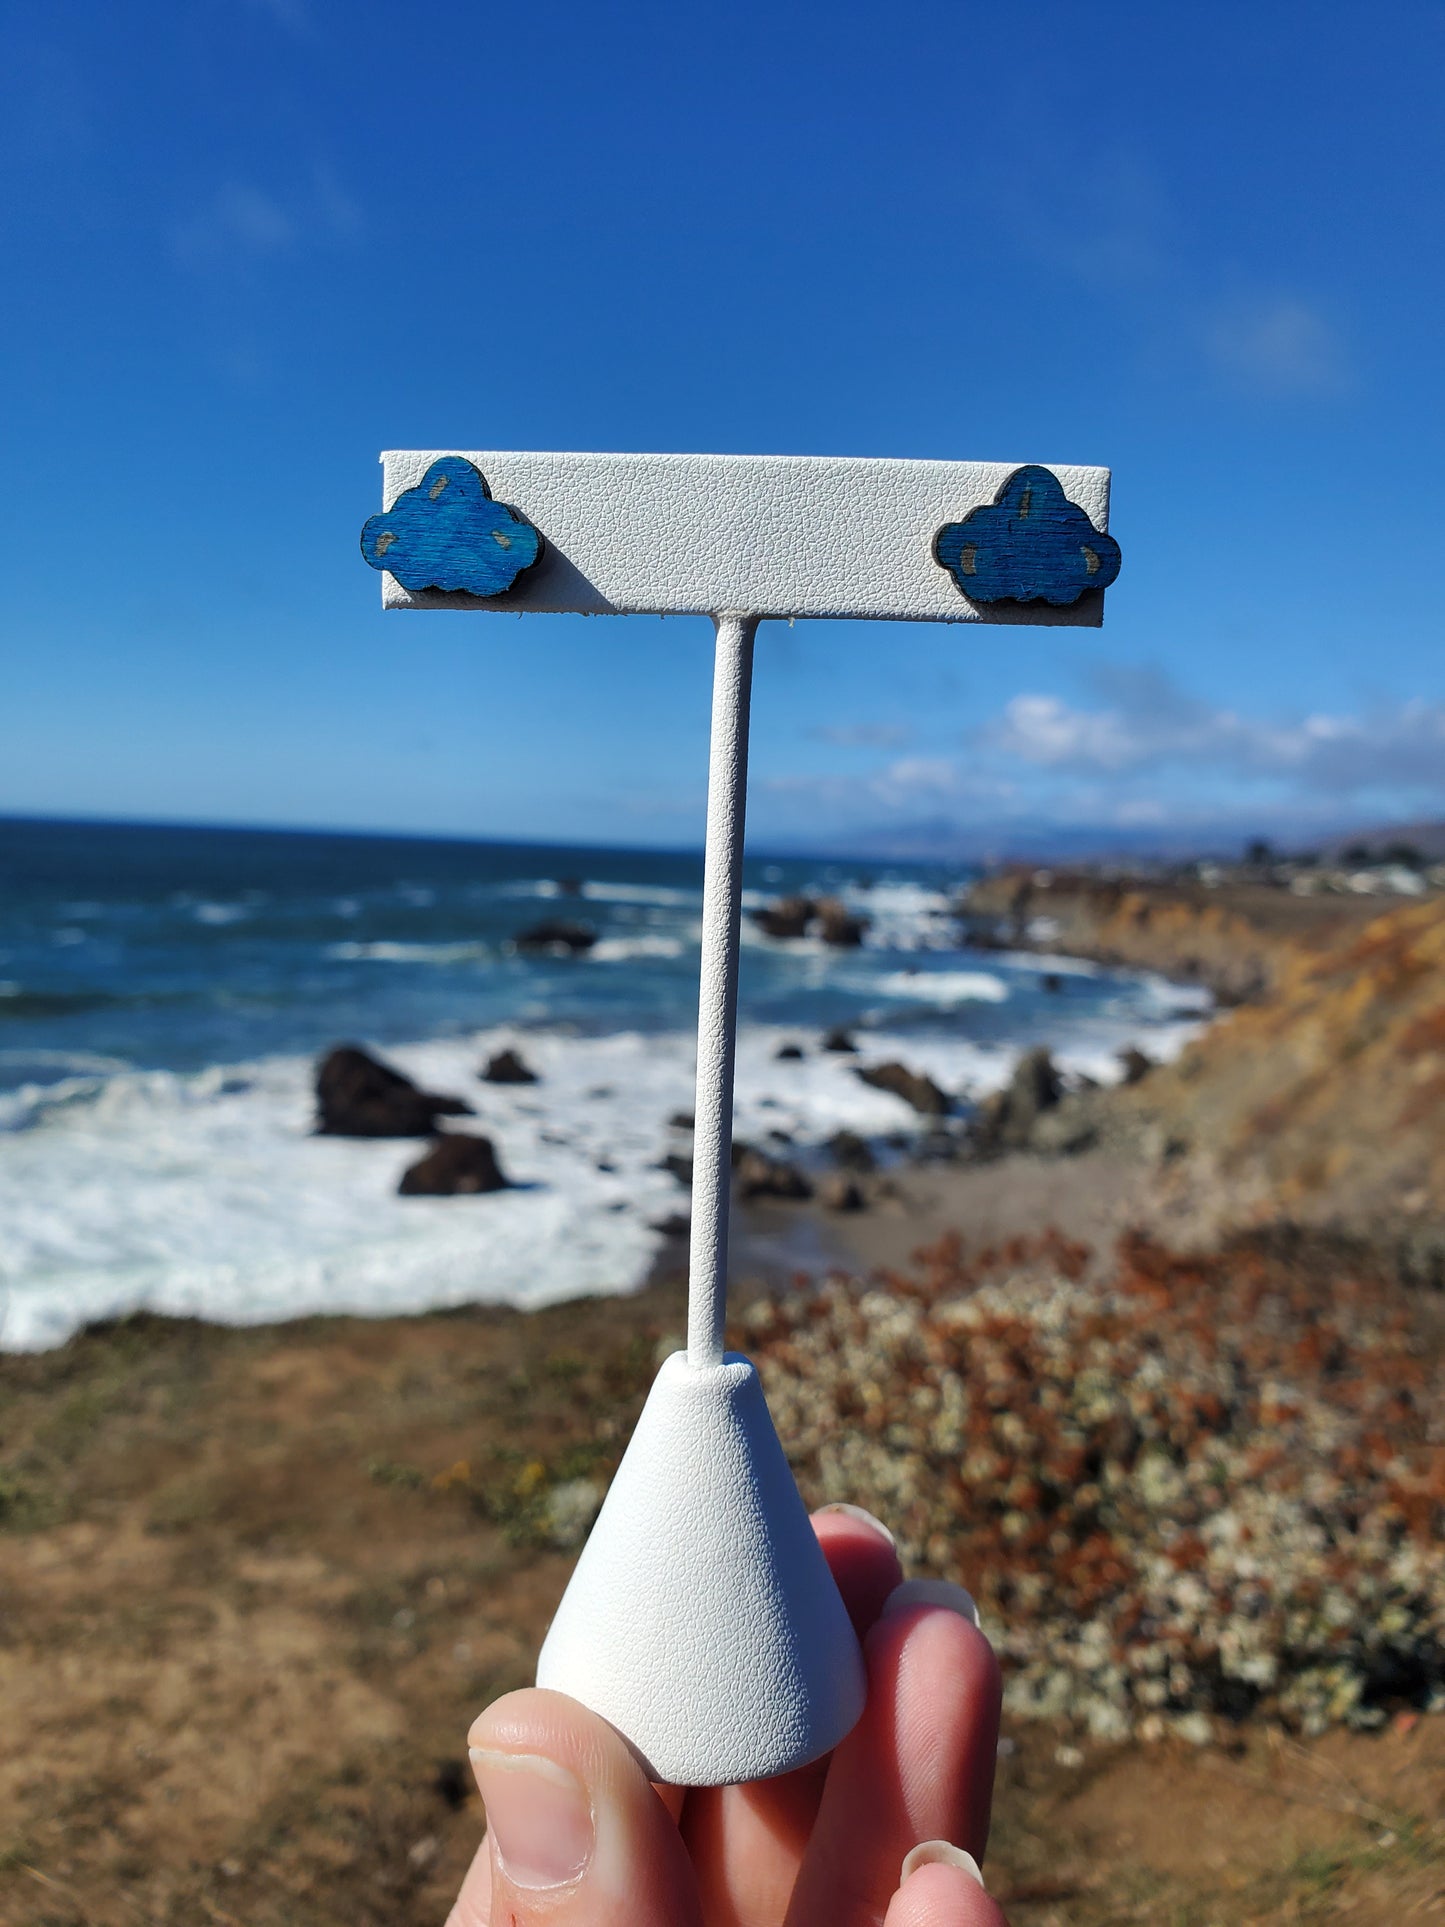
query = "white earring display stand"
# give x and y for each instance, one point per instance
(702, 1619)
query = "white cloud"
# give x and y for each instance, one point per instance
(1104, 217)
(1152, 724)
(1278, 344)
(1046, 731)
(1110, 220)
(1142, 754)
(241, 223)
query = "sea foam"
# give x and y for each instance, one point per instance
(207, 1195)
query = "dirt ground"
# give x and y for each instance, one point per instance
(255, 1584)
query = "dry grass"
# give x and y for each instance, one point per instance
(254, 1585)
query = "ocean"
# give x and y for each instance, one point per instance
(165, 993)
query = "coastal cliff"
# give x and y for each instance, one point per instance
(1237, 940)
(1324, 1101)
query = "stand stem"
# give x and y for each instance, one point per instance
(717, 1010)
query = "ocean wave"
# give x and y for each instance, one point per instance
(383, 951)
(1047, 965)
(901, 899)
(80, 1061)
(220, 914)
(207, 1195)
(946, 987)
(631, 949)
(662, 896)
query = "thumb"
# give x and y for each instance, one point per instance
(577, 1835)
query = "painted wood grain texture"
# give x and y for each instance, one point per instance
(768, 535)
(448, 534)
(1030, 544)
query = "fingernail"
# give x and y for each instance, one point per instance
(863, 1518)
(939, 1853)
(932, 1592)
(538, 1815)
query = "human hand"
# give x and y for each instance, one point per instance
(579, 1837)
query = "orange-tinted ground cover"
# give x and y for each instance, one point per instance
(254, 1584)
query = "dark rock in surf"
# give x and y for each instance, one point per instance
(1135, 1064)
(508, 1067)
(787, 917)
(838, 927)
(455, 1166)
(851, 1152)
(358, 1096)
(558, 937)
(914, 1087)
(1008, 1119)
(839, 1039)
(789, 1053)
(759, 1176)
(791, 917)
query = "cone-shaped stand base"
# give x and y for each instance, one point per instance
(702, 1619)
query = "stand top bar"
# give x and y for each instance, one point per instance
(765, 535)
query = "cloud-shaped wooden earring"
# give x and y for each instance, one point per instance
(1030, 544)
(447, 533)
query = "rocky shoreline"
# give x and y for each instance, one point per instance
(1149, 1368)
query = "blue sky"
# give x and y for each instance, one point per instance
(250, 243)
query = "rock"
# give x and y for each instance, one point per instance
(680, 1165)
(1007, 1119)
(569, 886)
(840, 1192)
(792, 917)
(1052, 983)
(358, 1096)
(837, 927)
(851, 1152)
(508, 1067)
(1136, 1064)
(676, 1224)
(455, 1166)
(558, 937)
(914, 1087)
(759, 1176)
(936, 1146)
(681, 1121)
(788, 917)
(789, 1053)
(838, 1039)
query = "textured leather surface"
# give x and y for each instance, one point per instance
(767, 535)
(702, 1620)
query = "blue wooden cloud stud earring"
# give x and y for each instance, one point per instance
(447, 533)
(1030, 544)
